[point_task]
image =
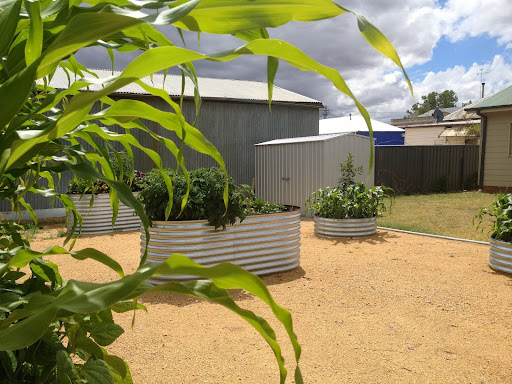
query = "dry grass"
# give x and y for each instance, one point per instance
(448, 214)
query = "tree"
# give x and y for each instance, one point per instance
(53, 330)
(433, 100)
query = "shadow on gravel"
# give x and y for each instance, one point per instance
(237, 294)
(380, 237)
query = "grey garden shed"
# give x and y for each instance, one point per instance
(289, 170)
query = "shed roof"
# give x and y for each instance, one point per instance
(306, 139)
(500, 99)
(209, 88)
(354, 124)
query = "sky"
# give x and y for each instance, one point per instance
(450, 44)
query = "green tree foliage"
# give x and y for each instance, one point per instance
(53, 330)
(433, 100)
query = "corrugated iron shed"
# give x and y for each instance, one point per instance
(209, 88)
(289, 170)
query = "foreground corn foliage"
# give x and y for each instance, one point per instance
(53, 330)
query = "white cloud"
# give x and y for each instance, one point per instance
(413, 26)
(476, 17)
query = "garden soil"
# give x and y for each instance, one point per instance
(390, 308)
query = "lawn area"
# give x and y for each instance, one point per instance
(447, 214)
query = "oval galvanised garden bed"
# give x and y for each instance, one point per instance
(261, 244)
(98, 218)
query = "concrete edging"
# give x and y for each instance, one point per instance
(435, 236)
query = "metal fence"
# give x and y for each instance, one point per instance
(427, 169)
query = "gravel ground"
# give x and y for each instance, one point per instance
(392, 308)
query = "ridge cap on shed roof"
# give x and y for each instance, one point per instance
(309, 139)
(234, 89)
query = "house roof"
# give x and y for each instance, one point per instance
(306, 139)
(354, 124)
(209, 88)
(461, 114)
(445, 123)
(445, 110)
(455, 132)
(500, 99)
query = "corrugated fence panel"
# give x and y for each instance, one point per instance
(426, 169)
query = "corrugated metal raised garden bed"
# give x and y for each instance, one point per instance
(98, 218)
(261, 244)
(500, 258)
(325, 227)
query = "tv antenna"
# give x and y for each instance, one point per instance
(325, 112)
(482, 80)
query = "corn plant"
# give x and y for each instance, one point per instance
(499, 215)
(52, 330)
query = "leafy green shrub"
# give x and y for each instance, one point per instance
(356, 201)
(79, 186)
(350, 200)
(205, 200)
(442, 184)
(260, 206)
(348, 172)
(499, 214)
(122, 167)
(471, 182)
(255, 206)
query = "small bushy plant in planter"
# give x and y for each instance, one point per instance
(351, 208)
(499, 216)
(205, 199)
(121, 167)
(254, 206)
(259, 236)
(93, 201)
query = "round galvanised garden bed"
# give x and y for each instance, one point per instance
(500, 258)
(325, 227)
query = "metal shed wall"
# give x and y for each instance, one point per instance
(232, 126)
(288, 173)
(336, 152)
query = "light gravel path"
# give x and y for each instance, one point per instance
(392, 308)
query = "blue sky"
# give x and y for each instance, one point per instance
(481, 49)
